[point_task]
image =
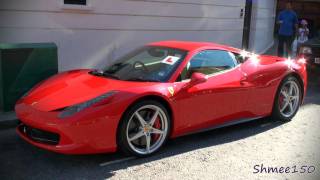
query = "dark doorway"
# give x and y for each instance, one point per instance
(247, 25)
(308, 10)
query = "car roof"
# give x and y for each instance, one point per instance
(192, 45)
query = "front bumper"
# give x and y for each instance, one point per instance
(38, 135)
(84, 133)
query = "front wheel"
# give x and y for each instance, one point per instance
(144, 128)
(288, 99)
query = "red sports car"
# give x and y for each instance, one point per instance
(160, 91)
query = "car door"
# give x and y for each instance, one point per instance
(218, 100)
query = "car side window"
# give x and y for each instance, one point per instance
(209, 62)
(240, 58)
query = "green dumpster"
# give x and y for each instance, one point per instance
(21, 67)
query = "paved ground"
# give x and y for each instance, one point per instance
(228, 153)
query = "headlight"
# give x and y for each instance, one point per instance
(305, 50)
(71, 110)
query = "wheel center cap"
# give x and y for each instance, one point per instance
(291, 99)
(146, 128)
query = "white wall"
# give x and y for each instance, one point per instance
(262, 25)
(95, 35)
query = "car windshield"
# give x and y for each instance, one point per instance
(149, 63)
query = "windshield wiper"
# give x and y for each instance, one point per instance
(104, 74)
(96, 72)
(143, 80)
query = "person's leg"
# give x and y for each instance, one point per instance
(280, 45)
(288, 42)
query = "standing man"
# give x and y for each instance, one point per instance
(288, 22)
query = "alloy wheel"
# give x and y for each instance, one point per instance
(147, 129)
(289, 98)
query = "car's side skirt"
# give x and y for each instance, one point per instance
(231, 123)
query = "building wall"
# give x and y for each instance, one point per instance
(262, 25)
(94, 36)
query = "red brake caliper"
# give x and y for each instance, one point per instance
(156, 125)
(281, 98)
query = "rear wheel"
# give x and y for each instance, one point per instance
(288, 99)
(144, 128)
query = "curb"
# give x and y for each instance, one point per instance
(8, 120)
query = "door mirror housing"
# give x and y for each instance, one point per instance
(197, 78)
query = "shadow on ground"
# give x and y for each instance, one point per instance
(22, 161)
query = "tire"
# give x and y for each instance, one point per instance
(145, 121)
(286, 105)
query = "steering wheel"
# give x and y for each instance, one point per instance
(142, 64)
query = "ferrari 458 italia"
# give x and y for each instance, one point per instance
(160, 91)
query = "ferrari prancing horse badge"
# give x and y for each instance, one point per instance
(171, 90)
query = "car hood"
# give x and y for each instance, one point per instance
(72, 87)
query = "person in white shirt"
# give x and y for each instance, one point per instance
(303, 32)
(301, 36)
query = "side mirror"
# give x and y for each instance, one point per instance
(197, 78)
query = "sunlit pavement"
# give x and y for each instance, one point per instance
(228, 153)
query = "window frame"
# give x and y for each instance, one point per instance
(213, 74)
(81, 7)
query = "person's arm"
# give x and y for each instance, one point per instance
(307, 31)
(279, 19)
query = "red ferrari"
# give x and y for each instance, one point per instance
(160, 91)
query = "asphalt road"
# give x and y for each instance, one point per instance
(235, 152)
